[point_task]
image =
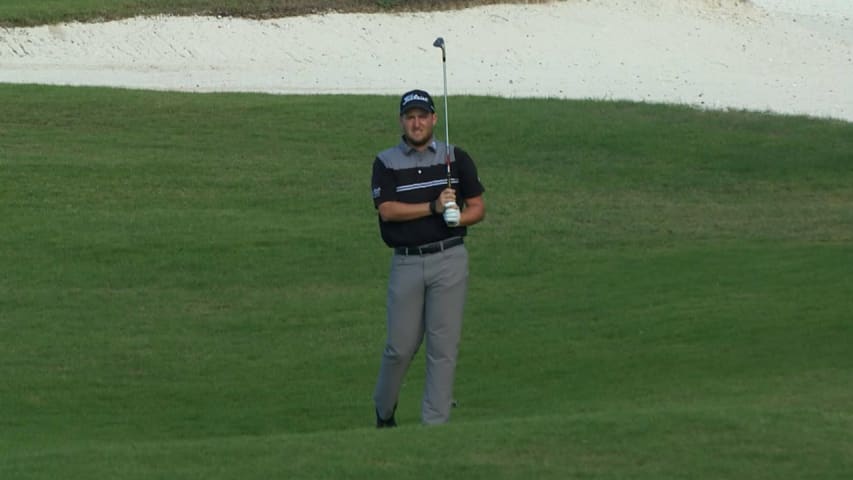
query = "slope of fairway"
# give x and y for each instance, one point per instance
(193, 287)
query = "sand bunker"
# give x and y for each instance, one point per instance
(788, 56)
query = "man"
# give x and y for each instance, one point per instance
(424, 221)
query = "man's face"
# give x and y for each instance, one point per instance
(417, 125)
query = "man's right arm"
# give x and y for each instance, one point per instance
(392, 211)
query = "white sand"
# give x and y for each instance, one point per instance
(788, 56)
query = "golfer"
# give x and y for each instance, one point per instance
(424, 220)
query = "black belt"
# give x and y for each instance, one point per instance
(428, 248)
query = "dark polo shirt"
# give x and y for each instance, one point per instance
(403, 174)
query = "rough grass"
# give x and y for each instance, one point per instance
(37, 12)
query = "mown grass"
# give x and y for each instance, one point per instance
(193, 287)
(40, 12)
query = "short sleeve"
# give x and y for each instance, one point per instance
(469, 179)
(383, 183)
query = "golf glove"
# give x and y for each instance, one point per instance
(451, 214)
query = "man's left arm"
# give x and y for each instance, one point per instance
(471, 188)
(474, 212)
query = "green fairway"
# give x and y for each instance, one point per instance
(193, 288)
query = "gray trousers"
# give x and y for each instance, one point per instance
(426, 298)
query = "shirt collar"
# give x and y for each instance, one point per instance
(408, 149)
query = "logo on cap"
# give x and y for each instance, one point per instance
(416, 99)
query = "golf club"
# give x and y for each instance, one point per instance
(439, 42)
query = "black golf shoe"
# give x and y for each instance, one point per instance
(386, 423)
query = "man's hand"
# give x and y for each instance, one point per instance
(451, 214)
(448, 195)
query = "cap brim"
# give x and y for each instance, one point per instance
(419, 105)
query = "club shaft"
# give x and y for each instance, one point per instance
(446, 123)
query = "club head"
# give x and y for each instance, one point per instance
(439, 42)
